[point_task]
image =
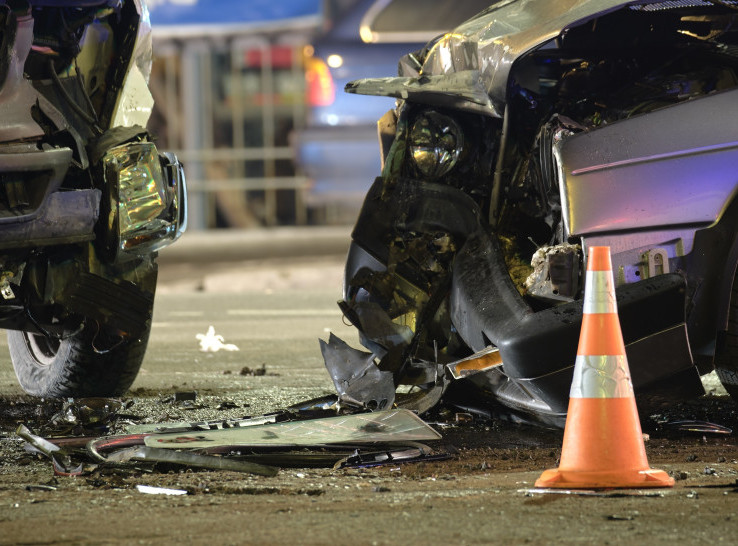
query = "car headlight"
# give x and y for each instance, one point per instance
(435, 143)
(147, 199)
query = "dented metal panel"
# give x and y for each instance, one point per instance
(623, 176)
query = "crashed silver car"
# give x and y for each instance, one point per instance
(86, 198)
(530, 133)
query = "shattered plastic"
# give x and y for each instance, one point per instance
(357, 379)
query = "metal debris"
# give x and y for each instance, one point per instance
(61, 462)
(186, 458)
(411, 453)
(384, 426)
(358, 380)
(184, 426)
(697, 427)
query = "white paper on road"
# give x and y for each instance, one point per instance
(212, 342)
(160, 490)
(397, 425)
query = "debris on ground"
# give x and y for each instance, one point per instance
(150, 490)
(253, 371)
(310, 435)
(382, 426)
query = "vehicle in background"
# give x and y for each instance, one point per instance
(338, 147)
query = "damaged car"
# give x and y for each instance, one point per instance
(86, 199)
(530, 133)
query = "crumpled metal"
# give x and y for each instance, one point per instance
(356, 377)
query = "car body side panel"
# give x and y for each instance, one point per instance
(649, 171)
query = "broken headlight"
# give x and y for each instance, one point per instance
(435, 143)
(147, 199)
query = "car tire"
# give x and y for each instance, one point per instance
(77, 366)
(726, 361)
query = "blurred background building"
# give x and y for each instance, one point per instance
(249, 94)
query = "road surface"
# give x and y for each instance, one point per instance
(274, 311)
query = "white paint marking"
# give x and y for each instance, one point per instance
(186, 313)
(284, 312)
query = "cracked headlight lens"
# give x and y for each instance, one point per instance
(436, 142)
(147, 199)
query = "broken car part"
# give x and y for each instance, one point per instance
(185, 458)
(381, 426)
(86, 200)
(530, 133)
(184, 426)
(61, 462)
(414, 453)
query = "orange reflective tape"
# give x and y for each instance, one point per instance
(599, 259)
(601, 335)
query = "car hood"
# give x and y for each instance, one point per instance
(469, 67)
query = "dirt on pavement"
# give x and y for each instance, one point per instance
(482, 494)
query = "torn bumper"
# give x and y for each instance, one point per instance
(538, 349)
(32, 211)
(412, 302)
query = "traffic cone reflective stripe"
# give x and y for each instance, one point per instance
(601, 298)
(601, 377)
(603, 443)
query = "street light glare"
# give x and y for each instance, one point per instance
(334, 61)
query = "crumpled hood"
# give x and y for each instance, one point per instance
(482, 51)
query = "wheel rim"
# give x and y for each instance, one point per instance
(44, 349)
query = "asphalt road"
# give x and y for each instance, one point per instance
(274, 314)
(274, 308)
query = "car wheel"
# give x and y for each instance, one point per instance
(726, 362)
(89, 363)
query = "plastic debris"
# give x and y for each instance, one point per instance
(411, 453)
(478, 362)
(212, 342)
(186, 458)
(385, 426)
(358, 380)
(253, 371)
(697, 427)
(159, 490)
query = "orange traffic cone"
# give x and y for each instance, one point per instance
(603, 443)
